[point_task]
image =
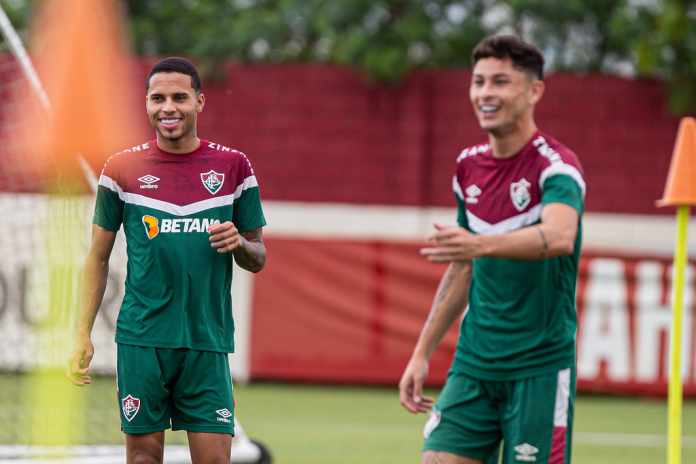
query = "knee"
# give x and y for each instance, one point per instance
(141, 457)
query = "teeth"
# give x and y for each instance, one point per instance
(488, 108)
(169, 121)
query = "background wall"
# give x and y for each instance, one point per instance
(353, 175)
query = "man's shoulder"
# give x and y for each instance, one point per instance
(237, 160)
(556, 158)
(118, 160)
(134, 151)
(218, 149)
(551, 151)
(472, 151)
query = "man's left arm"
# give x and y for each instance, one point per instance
(553, 236)
(247, 247)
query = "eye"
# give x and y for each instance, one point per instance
(156, 98)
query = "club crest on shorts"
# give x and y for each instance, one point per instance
(519, 193)
(433, 422)
(212, 181)
(130, 406)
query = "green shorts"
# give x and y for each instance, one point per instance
(531, 417)
(189, 389)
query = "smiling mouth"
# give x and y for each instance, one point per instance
(487, 110)
(169, 123)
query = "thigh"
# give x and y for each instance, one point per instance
(464, 421)
(209, 448)
(440, 457)
(202, 395)
(142, 394)
(538, 418)
(145, 448)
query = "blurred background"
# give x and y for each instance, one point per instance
(352, 114)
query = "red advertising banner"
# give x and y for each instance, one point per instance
(351, 310)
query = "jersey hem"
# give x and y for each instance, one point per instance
(484, 374)
(247, 228)
(105, 226)
(160, 344)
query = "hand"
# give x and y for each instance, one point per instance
(452, 244)
(225, 237)
(78, 369)
(411, 387)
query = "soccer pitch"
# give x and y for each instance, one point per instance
(305, 424)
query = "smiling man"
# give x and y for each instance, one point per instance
(513, 261)
(189, 208)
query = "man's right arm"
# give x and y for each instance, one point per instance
(450, 301)
(96, 271)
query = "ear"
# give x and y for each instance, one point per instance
(537, 89)
(201, 102)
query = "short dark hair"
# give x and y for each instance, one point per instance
(175, 64)
(523, 55)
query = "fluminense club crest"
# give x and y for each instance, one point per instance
(212, 181)
(130, 406)
(520, 195)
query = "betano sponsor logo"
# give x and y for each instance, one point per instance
(154, 226)
(151, 226)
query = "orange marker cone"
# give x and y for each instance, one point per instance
(95, 107)
(92, 112)
(680, 191)
(681, 182)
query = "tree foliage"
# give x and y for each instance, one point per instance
(386, 39)
(669, 49)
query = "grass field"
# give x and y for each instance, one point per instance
(352, 425)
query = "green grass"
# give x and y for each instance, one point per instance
(353, 425)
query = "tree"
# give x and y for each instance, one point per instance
(387, 39)
(669, 50)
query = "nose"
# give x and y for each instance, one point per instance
(168, 106)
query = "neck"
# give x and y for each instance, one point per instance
(505, 144)
(182, 145)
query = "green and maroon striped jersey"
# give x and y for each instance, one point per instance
(178, 287)
(521, 320)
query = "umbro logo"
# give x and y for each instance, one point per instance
(472, 193)
(149, 181)
(526, 452)
(224, 415)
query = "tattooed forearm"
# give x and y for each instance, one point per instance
(450, 300)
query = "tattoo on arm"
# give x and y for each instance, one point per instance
(443, 291)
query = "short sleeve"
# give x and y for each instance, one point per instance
(461, 205)
(563, 189)
(248, 212)
(108, 209)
